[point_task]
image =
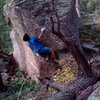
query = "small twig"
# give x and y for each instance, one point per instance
(21, 89)
(41, 89)
(45, 85)
(52, 27)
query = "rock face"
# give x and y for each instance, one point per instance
(95, 95)
(88, 93)
(29, 16)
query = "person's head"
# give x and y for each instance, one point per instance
(26, 38)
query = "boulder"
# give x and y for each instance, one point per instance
(87, 92)
(29, 17)
(95, 95)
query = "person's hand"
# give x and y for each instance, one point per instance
(43, 30)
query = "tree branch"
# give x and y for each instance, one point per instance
(57, 16)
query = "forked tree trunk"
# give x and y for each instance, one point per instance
(72, 88)
(78, 55)
(70, 36)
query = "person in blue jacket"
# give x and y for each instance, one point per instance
(38, 47)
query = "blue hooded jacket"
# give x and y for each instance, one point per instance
(34, 44)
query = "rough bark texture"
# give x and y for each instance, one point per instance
(72, 88)
(87, 92)
(69, 34)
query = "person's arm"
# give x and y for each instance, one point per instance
(41, 34)
(43, 30)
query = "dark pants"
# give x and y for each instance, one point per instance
(44, 52)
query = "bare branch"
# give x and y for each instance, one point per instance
(56, 14)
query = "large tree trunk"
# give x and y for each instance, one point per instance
(69, 34)
(78, 55)
(72, 88)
